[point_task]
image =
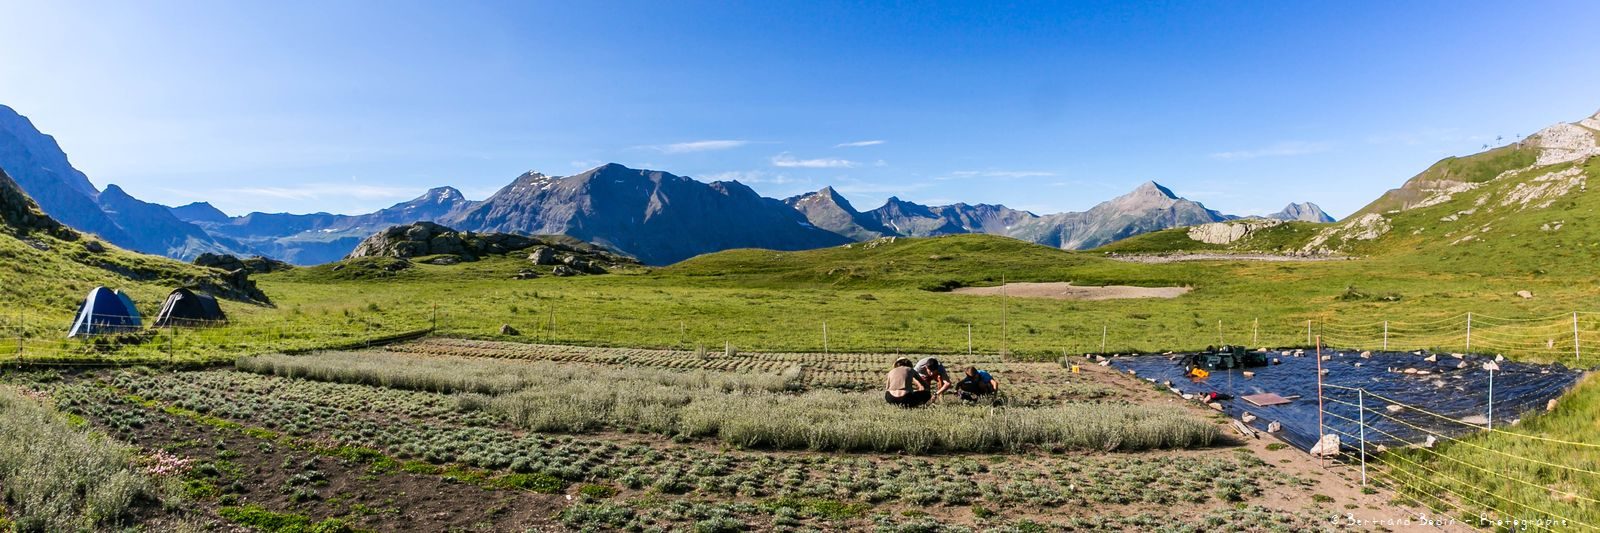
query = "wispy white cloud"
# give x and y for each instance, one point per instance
(858, 144)
(786, 160)
(1278, 149)
(323, 191)
(697, 146)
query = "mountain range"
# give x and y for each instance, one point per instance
(655, 216)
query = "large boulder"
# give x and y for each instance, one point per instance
(543, 256)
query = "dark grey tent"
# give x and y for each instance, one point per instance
(186, 308)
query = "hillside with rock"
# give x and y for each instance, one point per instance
(441, 245)
(50, 264)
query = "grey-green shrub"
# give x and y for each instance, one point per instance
(60, 478)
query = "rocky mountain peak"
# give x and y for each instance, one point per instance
(200, 212)
(1304, 211)
(1153, 190)
(443, 195)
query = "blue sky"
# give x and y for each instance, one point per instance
(351, 106)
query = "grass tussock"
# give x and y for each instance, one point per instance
(57, 477)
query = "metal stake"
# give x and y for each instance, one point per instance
(1469, 333)
(1103, 329)
(824, 337)
(969, 339)
(1491, 398)
(1386, 335)
(1361, 408)
(1577, 355)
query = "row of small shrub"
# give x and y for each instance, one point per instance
(838, 421)
(488, 376)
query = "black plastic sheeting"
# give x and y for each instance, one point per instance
(1460, 394)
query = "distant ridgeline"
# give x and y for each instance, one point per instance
(661, 218)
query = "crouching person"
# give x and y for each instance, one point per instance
(904, 386)
(976, 384)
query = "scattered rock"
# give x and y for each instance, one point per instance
(563, 271)
(1432, 440)
(1526, 295)
(507, 330)
(1551, 405)
(1394, 408)
(1247, 417)
(526, 274)
(94, 247)
(1477, 420)
(1328, 446)
(1215, 405)
(443, 260)
(1274, 427)
(1431, 359)
(1366, 355)
(1248, 374)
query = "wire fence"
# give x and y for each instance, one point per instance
(1489, 477)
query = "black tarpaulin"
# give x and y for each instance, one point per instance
(1454, 388)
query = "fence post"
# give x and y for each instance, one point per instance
(1386, 335)
(1004, 331)
(1104, 328)
(1469, 333)
(1361, 410)
(824, 337)
(433, 319)
(1577, 354)
(1322, 428)
(1255, 332)
(1219, 334)
(1308, 331)
(969, 339)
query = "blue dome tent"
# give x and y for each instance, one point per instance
(133, 310)
(104, 312)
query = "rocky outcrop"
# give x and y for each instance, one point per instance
(426, 238)
(1562, 143)
(256, 265)
(1230, 232)
(564, 256)
(22, 216)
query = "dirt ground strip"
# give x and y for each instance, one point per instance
(1068, 291)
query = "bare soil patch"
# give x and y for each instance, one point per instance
(1068, 291)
